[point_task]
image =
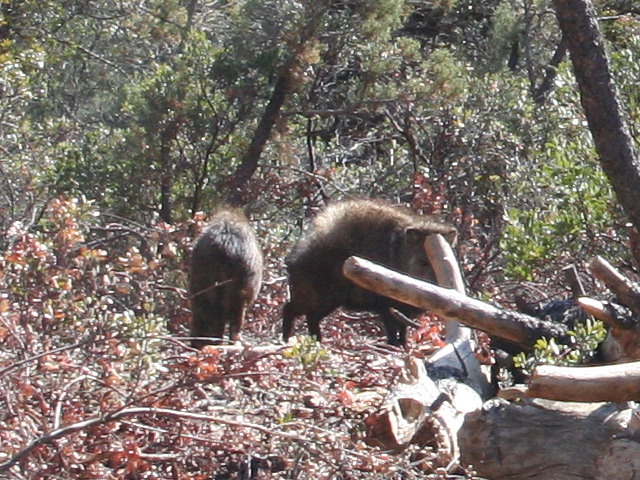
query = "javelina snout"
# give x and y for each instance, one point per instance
(225, 277)
(391, 236)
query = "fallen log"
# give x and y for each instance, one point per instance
(453, 306)
(604, 383)
(448, 275)
(542, 440)
(418, 412)
(625, 290)
(459, 352)
(623, 341)
(531, 438)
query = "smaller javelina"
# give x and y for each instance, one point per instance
(377, 231)
(226, 275)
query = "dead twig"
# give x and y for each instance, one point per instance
(135, 411)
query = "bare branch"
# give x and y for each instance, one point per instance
(132, 412)
(21, 363)
(627, 292)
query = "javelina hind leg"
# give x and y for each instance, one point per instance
(236, 319)
(206, 322)
(288, 321)
(289, 314)
(198, 324)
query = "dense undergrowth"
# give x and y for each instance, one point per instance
(97, 383)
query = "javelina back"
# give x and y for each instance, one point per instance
(374, 230)
(226, 274)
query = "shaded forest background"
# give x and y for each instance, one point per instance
(148, 110)
(122, 122)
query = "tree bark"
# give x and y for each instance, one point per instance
(599, 98)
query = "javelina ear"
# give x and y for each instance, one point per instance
(414, 235)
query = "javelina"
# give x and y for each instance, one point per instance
(226, 274)
(373, 230)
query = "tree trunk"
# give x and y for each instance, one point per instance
(249, 163)
(167, 176)
(599, 98)
(283, 87)
(541, 92)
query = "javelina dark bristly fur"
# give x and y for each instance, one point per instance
(226, 275)
(374, 230)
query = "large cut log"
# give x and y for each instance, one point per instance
(424, 412)
(453, 306)
(543, 440)
(605, 383)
